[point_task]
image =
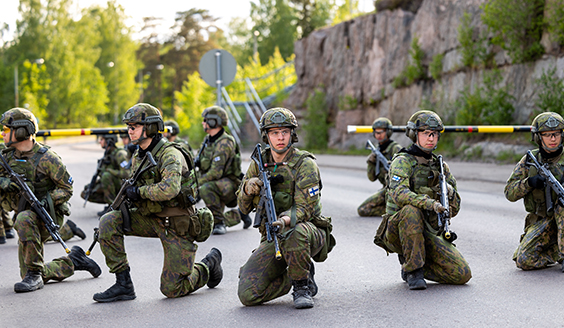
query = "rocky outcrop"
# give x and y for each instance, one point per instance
(355, 63)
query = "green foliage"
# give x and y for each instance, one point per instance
(415, 70)
(346, 11)
(516, 26)
(347, 102)
(316, 127)
(555, 20)
(486, 105)
(473, 51)
(436, 66)
(551, 92)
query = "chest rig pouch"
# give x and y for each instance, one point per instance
(425, 180)
(535, 201)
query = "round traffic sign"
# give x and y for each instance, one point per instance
(209, 67)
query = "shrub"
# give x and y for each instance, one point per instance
(316, 127)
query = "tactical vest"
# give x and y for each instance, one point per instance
(388, 153)
(232, 167)
(535, 201)
(188, 194)
(423, 179)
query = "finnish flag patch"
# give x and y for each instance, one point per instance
(313, 191)
(396, 178)
(124, 164)
(217, 159)
(70, 180)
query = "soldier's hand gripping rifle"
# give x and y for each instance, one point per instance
(444, 217)
(121, 201)
(380, 158)
(551, 182)
(88, 191)
(35, 204)
(266, 211)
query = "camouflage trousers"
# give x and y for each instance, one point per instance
(218, 194)
(180, 275)
(264, 278)
(105, 190)
(407, 234)
(541, 244)
(374, 205)
(32, 234)
(5, 223)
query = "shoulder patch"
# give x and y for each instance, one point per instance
(217, 159)
(124, 164)
(396, 178)
(313, 191)
(70, 181)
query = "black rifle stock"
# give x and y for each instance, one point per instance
(266, 211)
(444, 217)
(197, 159)
(35, 204)
(380, 158)
(94, 240)
(98, 171)
(551, 182)
(121, 201)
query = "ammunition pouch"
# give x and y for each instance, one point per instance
(324, 223)
(196, 227)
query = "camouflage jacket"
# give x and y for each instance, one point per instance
(299, 184)
(415, 181)
(392, 148)
(46, 171)
(183, 143)
(160, 186)
(116, 163)
(220, 158)
(517, 186)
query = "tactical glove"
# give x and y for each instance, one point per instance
(371, 158)
(8, 185)
(537, 181)
(438, 207)
(132, 193)
(253, 186)
(281, 223)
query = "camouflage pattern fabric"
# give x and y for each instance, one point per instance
(542, 243)
(31, 231)
(113, 170)
(264, 278)
(159, 189)
(375, 205)
(218, 180)
(406, 227)
(184, 143)
(6, 223)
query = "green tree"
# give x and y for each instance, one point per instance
(276, 21)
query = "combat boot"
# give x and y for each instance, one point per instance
(219, 229)
(302, 294)
(32, 281)
(10, 234)
(76, 231)
(403, 273)
(122, 290)
(310, 281)
(246, 220)
(83, 262)
(415, 280)
(213, 262)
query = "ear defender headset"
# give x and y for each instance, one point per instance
(213, 120)
(153, 124)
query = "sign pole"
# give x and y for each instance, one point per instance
(218, 74)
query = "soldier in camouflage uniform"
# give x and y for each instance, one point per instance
(172, 129)
(52, 185)
(409, 227)
(219, 161)
(160, 209)
(113, 169)
(375, 205)
(542, 243)
(6, 223)
(296, 186)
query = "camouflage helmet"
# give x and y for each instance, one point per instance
(548, 121)
(383, 123)
(21, 121)
(147, 115)
(215, 116)
(110, 137)
(423, 120)
(175, 128)
(278, 117)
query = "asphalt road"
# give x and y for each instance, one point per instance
(359, 285)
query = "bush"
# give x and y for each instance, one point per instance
(551, 95)
(415, 71)
(436, 66)
(316, 127)
(516, 26)
(555, 20)
(471, 50)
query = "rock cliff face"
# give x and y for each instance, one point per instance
(355, 63)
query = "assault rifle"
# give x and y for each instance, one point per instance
(551, 182)
(109, 145)
(197, 159)
(444, 217)
(121, 201)
(94, 240)
(266, 211)
(35, 204)
(380, 158)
